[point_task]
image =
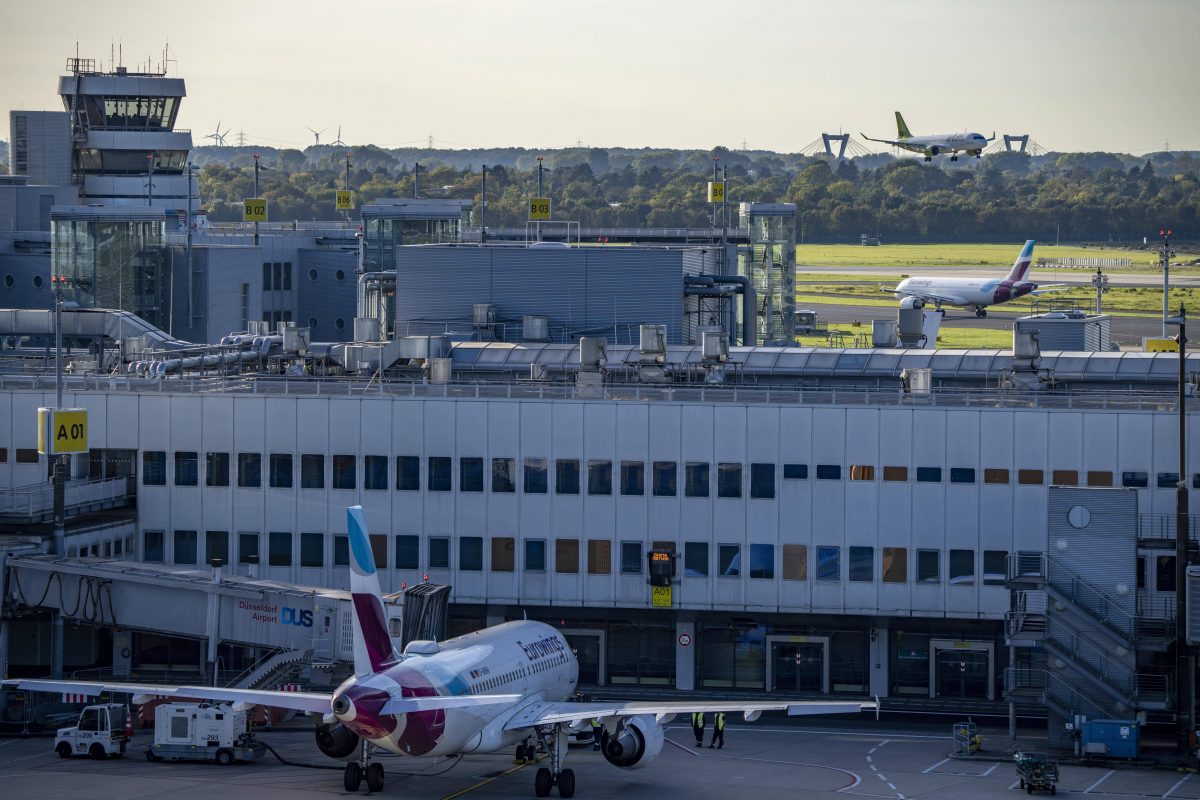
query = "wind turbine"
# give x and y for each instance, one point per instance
(218, 137)
(317, 134)
(338, 141)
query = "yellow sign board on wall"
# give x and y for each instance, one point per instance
(1160, 345)
(660, 596)
(63, 430)
(254, 209)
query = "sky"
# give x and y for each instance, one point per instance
(1077, 75)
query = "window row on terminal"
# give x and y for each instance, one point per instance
(572, 476)
(570, 556)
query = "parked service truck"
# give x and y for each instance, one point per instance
(202, 732)
(102, 731)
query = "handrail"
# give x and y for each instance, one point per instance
(1053, 687)
(39, 497)
(1092, 658)
(1085, 595)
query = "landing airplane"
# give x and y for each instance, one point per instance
(479, 693)
(977, 292)
(936, 144)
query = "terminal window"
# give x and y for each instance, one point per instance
(439, 552)
(566, 556)
(695, 559)
(279, 549)
(470, 474)
(962, 475)
(895, 474)
(599, 477)
(154, 468)
(27, 455)
(312, 471)
(631, 558)
(408, 473)
(345, 472)
(1064, 477)
(152, 546)
(729, 560)
(895, 565)
(995, 475)
(862, 564)
(566, 476)
(408, 551)
(795, 562)
(341, 550)
(762, 480)
(247, 548)
(762, 561)
(862, 472)
(829, 472)
(1135, 480)
(470, 553)
(216, 472)
(1141, 572)
(664, 479)
(829, 563)
(439, 474)
(633, 478)
(375, 472)
(216, 545)
(379, 550)
(729, 480)
(185, 547)
(995, 567)
(312, 549)
(535, 555)
(962, 567)
(1164, 573)
(599, 553)
(503, 554)
(1099, 478)
(795, 472)
(280, 465)
(928, 566)
(1030, 477)
(249, 470)
(1196, 480)
(187, 468)
(1167, 480)
(537, 479)
(929, 474)
(696, 478)
(504, 478)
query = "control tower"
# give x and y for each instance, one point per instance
(125, 149)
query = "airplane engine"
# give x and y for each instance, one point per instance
(336, 741)
(933, 151)
(912, 302)
(637, 742)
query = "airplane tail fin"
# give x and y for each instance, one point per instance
(1020, 269)
(902, 131)
(373, 648)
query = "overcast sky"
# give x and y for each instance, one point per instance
(1077, 75)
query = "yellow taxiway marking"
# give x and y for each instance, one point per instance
(486, 781)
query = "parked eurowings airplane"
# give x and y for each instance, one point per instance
(973, 292)
(936, 144)
(499, 687)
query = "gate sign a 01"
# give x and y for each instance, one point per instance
(62, 430)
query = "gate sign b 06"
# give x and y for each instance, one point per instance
(62, 430)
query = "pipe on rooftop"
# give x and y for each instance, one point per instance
(694, 285)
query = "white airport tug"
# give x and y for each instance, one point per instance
(101, 732)
(202, 732)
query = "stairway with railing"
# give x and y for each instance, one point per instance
(1091, 638)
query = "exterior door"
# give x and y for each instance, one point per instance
(962, 674)
(589, 653)
(797, 667)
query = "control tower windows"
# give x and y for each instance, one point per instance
(131, 112)
(94, 160)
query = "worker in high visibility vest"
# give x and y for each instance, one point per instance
(597, 728)
(698, 727)
(718, 730)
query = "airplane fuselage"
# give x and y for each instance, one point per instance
(967, 292)
(945, 144)
(524, 658)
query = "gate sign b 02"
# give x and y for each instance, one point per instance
(62, 430)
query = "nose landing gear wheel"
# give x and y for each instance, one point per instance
(352, 777)
(375, 778)
(542, 782)
(566, 783)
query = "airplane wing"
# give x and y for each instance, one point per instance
(929, 297)
(550, 713)
(407, 705)
(882, 141)
(300, 701)
(1052, 287)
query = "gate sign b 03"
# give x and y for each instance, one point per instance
(62, 430)
(539, 208)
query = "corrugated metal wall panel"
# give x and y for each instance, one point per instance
(1104, 551)
(326, 299)
(550, 282)
(435, 283)
(628, 287)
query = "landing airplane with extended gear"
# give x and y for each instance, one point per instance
(973, 292)
(496, 688)
(937, 144)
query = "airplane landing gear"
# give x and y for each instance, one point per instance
(981, 312)
(954, 158)
(929, 158)
(555, 742)
(355, 771)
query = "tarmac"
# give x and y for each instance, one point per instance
(772, 758)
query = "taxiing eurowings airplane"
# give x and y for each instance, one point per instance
(496, 688)
(973, 292)
(936, 144)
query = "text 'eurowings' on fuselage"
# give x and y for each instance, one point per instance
(950, 144)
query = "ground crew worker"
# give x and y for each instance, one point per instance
(698, 727)
(596, 729)
(718, 730)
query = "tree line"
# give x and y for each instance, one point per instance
(1098, 197)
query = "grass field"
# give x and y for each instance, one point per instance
(955, 255)
(948, 337)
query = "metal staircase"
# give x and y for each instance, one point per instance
(1090, 641)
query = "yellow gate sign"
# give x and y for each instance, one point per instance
(345, 200)
(539, 208)
(716, 191)
(660, 596)
(1160, 345)
(254, 209)
(63, 430)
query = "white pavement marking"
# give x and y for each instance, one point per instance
(1015, 784)
(1097, 783)
(991, 768)
(1178, 783)
(827, 732)
(857, 780)
(682, 747)
(929, 769)
(22, 758)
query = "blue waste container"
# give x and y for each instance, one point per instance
(1117, 738)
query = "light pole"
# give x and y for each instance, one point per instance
(416, 179)
(540, 195)
(1165, 253)
(483, 209)
(1100, 281)
(150, 178)
(256, 197)
(347, 186)
(59, 462)
(1185, 676)
(715, 159)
